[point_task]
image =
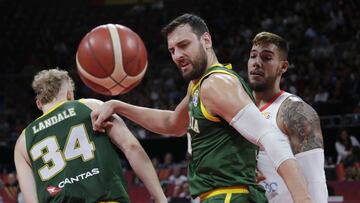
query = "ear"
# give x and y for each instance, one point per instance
(70, 94)
(206, 40)
(284, 66)
(39, 104)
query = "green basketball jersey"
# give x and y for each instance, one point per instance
(71, 162)
(220, 156)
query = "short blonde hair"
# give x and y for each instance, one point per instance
(47, 84)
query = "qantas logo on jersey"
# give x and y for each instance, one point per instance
(53, 190)
(79, 178)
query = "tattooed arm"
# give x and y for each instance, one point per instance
(301, 123)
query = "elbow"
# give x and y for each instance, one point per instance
(174, 131)
(173, 134)
(180, 133)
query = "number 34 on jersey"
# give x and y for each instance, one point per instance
(77, 145)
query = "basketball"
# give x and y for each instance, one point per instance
(111, 59)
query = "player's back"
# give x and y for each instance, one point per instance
(71, 162)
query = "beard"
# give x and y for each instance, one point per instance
(262, 86)
(199, 66)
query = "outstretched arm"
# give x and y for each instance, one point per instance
(135, 154)
(24, 172)
(173, 123)
(224, 95)
(137, 157)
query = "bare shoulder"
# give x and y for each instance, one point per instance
(301, 123)
(221, 78)
(219, 82)
(20, 141)
(20, 148)
(223, 95)
(91, 103)
(214, 86)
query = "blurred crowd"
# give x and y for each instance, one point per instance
(324, 43)
(324, 39)
(348, 156)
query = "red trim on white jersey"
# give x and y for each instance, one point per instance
(272, 100)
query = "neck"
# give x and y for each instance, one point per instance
(47, 107)
(264, 97)
(212, 59)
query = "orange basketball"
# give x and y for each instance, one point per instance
(111, 59)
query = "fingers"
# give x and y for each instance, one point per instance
(99, 122)
(93, 117)
(107, 124)
(102, 127)
(259, 176)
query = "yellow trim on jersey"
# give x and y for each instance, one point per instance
(82, 100)
(228, 198)
(194, 87)
(52, 109)
(226, 190)
(228, 66)
(189, 89)
(207, 114)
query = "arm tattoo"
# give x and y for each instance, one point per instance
(302, 125)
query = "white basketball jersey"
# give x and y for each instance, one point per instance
(276, 190)
(273, 184)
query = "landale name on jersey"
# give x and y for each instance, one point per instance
(53, 120)
(79, 177)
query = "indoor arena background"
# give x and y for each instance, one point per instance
(324, 37)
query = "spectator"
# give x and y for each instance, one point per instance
(10, 192)
(322, 95)
(337, 24)
(352, 173)
(177, 178)
(155, 162)
(347, 148)
(168, 161)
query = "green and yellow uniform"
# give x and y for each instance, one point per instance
(71, 162)
(223, 162)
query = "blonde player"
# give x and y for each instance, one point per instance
(59, 158)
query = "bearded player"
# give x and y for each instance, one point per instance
(296, 120)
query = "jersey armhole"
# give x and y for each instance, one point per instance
(82, 100)
(207, 114)
(202, 107)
